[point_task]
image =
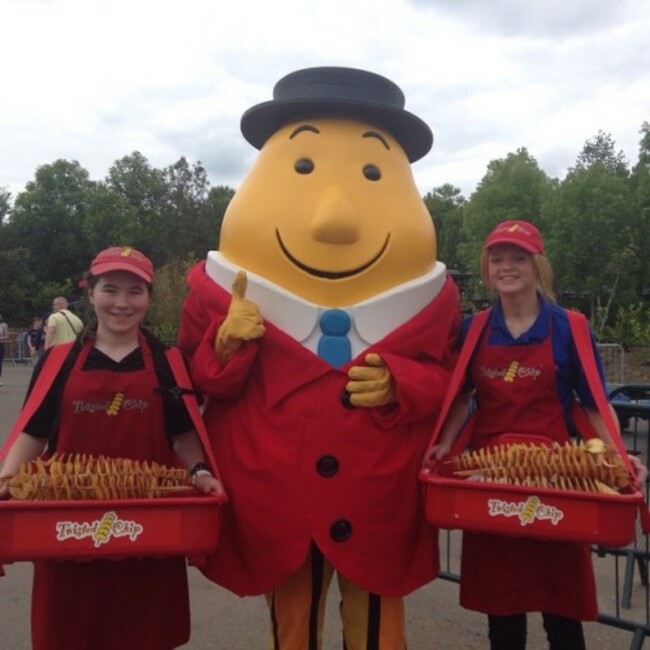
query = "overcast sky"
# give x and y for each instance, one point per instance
(95, 80)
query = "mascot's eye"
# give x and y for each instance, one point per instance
(372, 172)
(304, 166)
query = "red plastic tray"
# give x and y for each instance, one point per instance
(82, 530)
(541, 513)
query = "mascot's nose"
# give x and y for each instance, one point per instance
(336, 220)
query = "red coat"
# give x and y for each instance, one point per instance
(300, 467)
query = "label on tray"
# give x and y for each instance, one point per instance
(528, 511)
(100, 530)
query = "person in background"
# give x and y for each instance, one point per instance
(62, 325)
(36, 337)
(103, 604)
(506, 577)
(4, 337)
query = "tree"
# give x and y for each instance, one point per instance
(218, 200)
(640, 185)
(136, 207)
(194, 210)
(49, 219)
(18, 287)
(445, 205)
(5, 203)
(596, 222)
(601, 149)
(592, 232)
(595, 227)
(513, 188)
(110, 220)
(186, 216)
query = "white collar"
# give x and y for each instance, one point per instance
(372, 319)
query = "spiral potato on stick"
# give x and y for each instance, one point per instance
(81, 476)
(589, 466)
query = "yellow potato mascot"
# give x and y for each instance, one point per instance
(322, 335)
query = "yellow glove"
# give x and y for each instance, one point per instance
(242, 323)
(371, 385)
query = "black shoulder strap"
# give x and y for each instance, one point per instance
(183, 382)
(69, 322)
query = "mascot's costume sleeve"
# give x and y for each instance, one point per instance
(322, 336)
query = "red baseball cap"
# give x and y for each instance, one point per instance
(519, 233)
(123, 258)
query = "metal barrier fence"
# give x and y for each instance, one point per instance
(632, 405)
(621, 577)
(17, 350)
(613, 358)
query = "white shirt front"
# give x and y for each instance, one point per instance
(372, 319)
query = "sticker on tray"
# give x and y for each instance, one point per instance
(528, 511)
(100, 530)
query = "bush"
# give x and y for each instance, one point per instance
(631, 327)
(170, 289)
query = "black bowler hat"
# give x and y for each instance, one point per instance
(346, 92)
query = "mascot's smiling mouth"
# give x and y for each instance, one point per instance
(330, 275)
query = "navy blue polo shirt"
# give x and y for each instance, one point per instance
(569, 374)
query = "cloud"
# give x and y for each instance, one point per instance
(93, 81)
(534, 18)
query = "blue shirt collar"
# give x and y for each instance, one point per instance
(539, 330)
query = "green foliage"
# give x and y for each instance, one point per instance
(513, 188)
(193, 211)
(170, 289)
(23, 297)
(5, 203)
(187, 190)
(48, 218)
(62, 219)
(445, 205)
(140, 195)
(601, 150)
(17, 286)
(596, 225)
(218, 200)
(631, 327)
(640, 185)
(592, 231)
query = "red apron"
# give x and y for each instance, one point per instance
(517, 392)
(103, 604)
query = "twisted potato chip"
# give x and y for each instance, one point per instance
(589, 466)
(81, 476)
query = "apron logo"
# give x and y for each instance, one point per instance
(119, 403)
(116, 403)
(510, 374)
(100, 530)
(526, 511)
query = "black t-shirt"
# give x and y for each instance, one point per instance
(36, 338)
(45, 421)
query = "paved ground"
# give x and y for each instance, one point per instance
(223, 621)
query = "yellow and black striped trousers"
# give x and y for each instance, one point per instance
(297, 609)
